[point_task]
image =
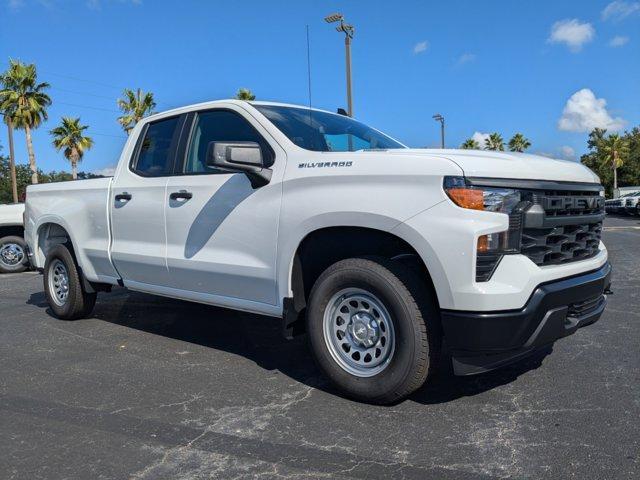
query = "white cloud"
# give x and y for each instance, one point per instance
(420, 47)
(572, 32)
(466, 58)
(480, 138)
(583, 112)
(567, 152)
(106, 171)
(620, 9)
(618, 41)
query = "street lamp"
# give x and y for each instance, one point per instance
(439, 118)
(348, 31)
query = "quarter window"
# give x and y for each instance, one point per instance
(157, 150)
(220, 126)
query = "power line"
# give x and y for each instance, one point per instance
(89, 107)
(83, 93)
(108, 135)
(81, 80)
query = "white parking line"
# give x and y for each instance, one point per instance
(622, 228)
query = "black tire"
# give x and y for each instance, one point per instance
(415, 317)
(9, 267)
(78, 303)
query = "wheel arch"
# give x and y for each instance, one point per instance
(319, 248)
(51, 231)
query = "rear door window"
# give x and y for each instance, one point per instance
(157, 150)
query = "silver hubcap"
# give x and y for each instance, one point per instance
(58, 282)
(11, 254)
(358, 332)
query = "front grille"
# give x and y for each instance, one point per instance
(562, 226)
(580, 309)
(548, 246)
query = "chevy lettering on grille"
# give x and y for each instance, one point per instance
(571, 203)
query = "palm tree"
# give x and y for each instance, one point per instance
(70, 136)
(470, 144)
(519, 143)
(595, 137)
(23, 99)
(615, 149)
(245, 94)
(494, 142)
(12, 157)
(135, 106)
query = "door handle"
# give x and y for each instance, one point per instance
(123, 197)
(181, 195)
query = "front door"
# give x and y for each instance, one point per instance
(221, 232)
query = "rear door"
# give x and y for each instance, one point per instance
(221, 232)
(138, 204)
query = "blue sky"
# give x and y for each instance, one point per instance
(549, 69)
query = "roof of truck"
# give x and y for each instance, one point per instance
(213, 103)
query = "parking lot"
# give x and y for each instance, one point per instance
(152, 388)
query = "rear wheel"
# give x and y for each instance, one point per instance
(13, 255)
(63, 286)
(373, 328)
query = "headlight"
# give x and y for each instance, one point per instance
(488, 199)
(491, 247)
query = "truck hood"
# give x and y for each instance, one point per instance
(483, 163)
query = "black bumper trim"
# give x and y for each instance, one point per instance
(482, 341)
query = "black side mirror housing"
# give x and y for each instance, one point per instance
(241, 157)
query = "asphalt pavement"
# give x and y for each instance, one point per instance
(154, 388)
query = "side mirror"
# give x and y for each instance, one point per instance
(244, 157)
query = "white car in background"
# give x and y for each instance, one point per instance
(632, 204)
(617, 205)
(13, 248)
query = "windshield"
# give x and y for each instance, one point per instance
(325, 132)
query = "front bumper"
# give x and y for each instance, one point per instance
(483, 341)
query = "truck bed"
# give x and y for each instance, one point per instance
(82, 208)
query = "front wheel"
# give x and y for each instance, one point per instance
(13, 254)
(63, 286)
(373, 329)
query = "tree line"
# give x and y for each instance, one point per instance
(517, 143)
(23, 105)
(614, 157)
(24, 102)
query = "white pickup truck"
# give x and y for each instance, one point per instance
(13, 251)
(379, 252)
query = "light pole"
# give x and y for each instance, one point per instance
(439, 118)
(348, 31)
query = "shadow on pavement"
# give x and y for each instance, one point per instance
(259, 339)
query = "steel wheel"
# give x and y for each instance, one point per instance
(359, 332)
(11, 254)
(58, 282)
